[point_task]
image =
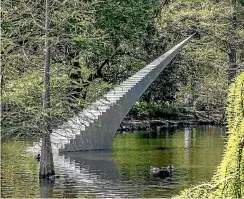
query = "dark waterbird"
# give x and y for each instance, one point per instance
(163, 148)
(38, 157)
(162, 172)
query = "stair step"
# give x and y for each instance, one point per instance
(138, 75)
(99, 110)
(146, 70)
(129, 84)
(135, 78)
(90, 117)
(132, 81)
(124, 86)
(102, 102)
(113, 99)
(100, 107)
(116, 92)
(75, 122)
(150, 66)
(123, 89)
(114, 95)
(91, 113)
(84, 121)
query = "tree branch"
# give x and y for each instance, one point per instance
(34, 20)
(135, 56)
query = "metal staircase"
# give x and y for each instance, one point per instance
(95, 127)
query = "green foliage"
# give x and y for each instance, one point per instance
(204, 64)
(211, 95)
(233, 161)
(96, 89)
(228, 182)
(91, 45)
(126, 26)
(155, 109)
(22, 99)
(97, 44)
(23, 60)
(124, 20)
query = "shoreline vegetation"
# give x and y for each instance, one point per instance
(187, 119)
(228, 180)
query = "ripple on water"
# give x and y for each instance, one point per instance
(124, 172)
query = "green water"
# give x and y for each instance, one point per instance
(122, 172)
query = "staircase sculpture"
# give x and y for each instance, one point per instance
(94, 128)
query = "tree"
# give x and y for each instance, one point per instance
(132, 41)
(216, 56)
(46, 162)
(83, 51)
(28, 27)
(89, 50)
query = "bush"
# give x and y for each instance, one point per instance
(22, 101)
(155, 109)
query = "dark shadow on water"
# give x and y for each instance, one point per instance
(46, 188)
(98, 162)
(162, 133)
(89, 174)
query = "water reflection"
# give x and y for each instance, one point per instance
(125, 170)
(188, 137)
(46, 188)
(188, 132)
(90, 173)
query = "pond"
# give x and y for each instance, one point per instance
(122, 172)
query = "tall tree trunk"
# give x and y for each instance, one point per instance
(46, 162)
(232, 63)
(232, 49)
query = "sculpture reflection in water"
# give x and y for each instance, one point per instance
(188, 133)
(46, 188)
(85, 173)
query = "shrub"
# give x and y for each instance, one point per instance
(155, 109)
(228, 180)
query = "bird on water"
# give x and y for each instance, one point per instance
(162, 171)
